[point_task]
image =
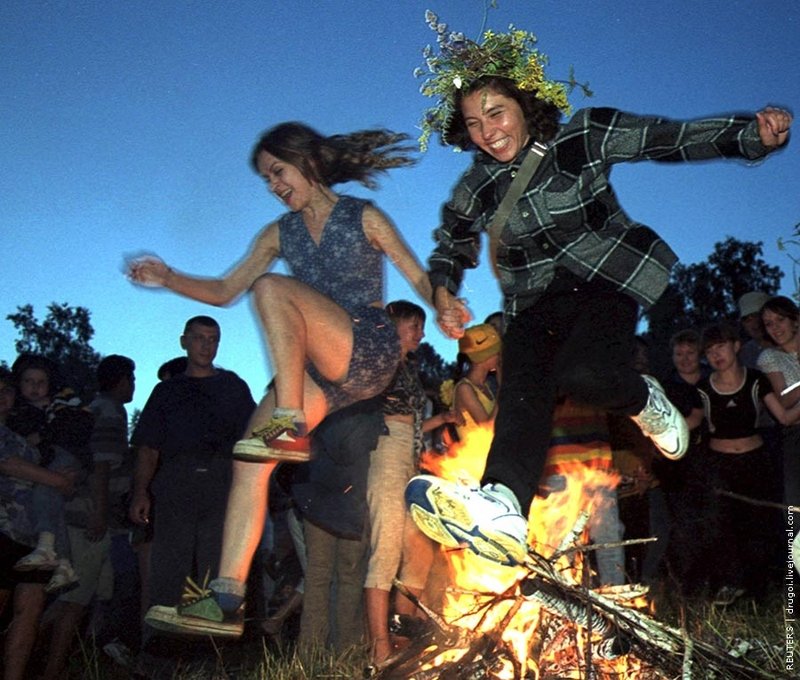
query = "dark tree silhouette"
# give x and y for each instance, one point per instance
(790, 246)
(64, 336)
(432, 368)
(706, 292)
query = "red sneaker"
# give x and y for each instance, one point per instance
(280, 439)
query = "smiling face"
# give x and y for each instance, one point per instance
(286, 181)
(780, 328)
(686, 358)
(410, 331)
(496, 123)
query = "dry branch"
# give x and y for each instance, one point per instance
(608, 617)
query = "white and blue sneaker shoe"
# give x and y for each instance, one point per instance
(662, 422)
(487, 521)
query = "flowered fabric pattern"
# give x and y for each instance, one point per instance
(406, 396)
(344, 266)
(774, 360)
(16, 520)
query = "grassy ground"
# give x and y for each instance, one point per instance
(250, 659)
(755, 629)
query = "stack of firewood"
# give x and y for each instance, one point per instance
(580, 633)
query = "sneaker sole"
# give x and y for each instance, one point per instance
(43, 566)
(679, 450)
(263, 454)
(59, 587)
(445, 518)
(672, 445)
(167, 619)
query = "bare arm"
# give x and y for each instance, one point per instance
(14, 466)
(151, 271)
(440, 419)
(695, 418)
(785, 416)
(467, 400)
(381, 233)
(778, 382)
(98, 485)
(146, 462)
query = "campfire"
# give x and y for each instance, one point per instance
(542, 620)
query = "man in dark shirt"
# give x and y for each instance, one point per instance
(184, 439)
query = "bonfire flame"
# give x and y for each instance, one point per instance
(522, 614)
(542, 620)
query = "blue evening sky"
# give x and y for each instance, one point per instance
(127, 127)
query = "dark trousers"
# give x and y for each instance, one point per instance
(577, 342)
(745, 532)
(187, 536)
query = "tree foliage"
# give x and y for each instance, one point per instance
(790, 246)
(432, 368)
(64, 336)
(707, 292)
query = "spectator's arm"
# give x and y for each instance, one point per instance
(98, 486)
(13, 466)
(146, 462)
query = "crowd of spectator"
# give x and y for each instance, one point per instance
(97, 528)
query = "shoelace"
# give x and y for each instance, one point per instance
(655, 415)
(275, 426)
(192, 592)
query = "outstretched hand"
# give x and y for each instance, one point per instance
(773, 126)
(452, 314)
(147, 270)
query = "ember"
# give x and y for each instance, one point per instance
(543, 620)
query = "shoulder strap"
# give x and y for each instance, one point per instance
(523, 177)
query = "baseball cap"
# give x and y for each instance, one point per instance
(751, 303)
(480, 342)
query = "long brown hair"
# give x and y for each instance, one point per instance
(357, 156)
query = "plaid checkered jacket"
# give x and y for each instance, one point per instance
(569, 215)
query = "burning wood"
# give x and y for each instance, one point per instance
(569, 631)
(543, 621)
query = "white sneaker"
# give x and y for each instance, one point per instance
(119, 652)
(487, 521)
(662, 422)
(796, 552)
(40, 558)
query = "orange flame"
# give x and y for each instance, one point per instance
(474, 581)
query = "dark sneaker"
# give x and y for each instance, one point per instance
(662, 422)
(486, 521)
(198, 614)
(281, 439)
(409, 627)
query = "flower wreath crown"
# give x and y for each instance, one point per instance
(461, 62)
